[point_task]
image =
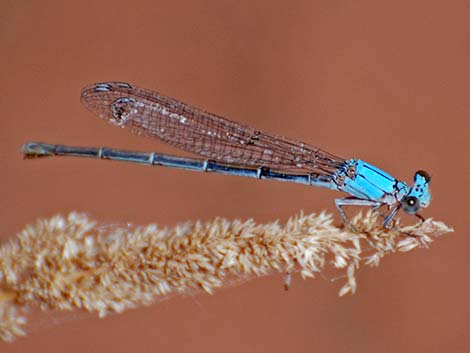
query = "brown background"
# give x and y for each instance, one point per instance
(385, 81)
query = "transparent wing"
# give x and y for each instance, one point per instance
(193, 130)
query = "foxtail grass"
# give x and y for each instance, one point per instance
(72, 262)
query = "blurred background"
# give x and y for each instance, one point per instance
(387, 82)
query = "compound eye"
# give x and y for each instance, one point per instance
(424, 174)
(410, 204)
